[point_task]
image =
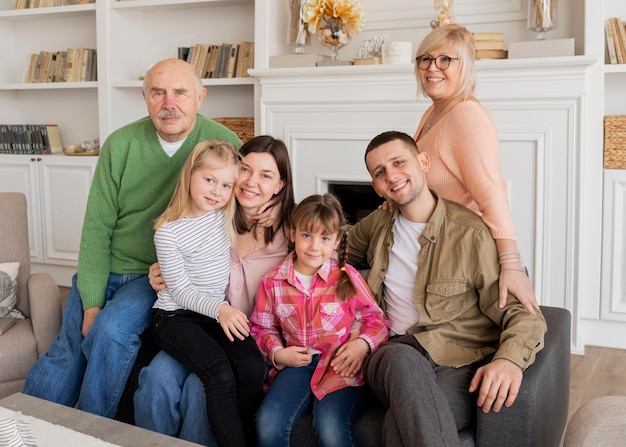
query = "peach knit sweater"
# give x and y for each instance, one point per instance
(465, 168)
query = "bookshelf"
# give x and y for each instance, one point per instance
(129, 37)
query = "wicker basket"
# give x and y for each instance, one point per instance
(615, 141)
(243, 127)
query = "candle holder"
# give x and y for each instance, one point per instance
(541, 16)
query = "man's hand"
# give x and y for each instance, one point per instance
(156, 280)
(293, 356)
(234, 322)
(499, 383)
(349, 358)
(89, 316)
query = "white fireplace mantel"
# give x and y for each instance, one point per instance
(327, 115)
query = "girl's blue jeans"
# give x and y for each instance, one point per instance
(93, 370)
(290, 397)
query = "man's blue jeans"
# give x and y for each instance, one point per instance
(290, 397)
(171, 400)
(93, 370)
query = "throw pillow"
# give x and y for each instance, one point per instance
(8, 289)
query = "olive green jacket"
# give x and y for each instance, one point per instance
(456, 289)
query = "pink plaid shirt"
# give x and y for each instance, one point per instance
(287, 315)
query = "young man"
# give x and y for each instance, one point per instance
(110, 302)
(434, 269)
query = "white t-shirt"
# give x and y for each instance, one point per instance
(400, 278)
(170, 148)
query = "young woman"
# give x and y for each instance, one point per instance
(302, 320)
(461, 139)
(170, 400)
(192, 239)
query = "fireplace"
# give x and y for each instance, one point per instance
(357, 199)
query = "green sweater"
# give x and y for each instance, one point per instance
(133, 182)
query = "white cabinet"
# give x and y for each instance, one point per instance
(613, 304)
(56, 188)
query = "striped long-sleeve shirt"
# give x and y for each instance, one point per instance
(194, 257)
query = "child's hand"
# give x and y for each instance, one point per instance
(293, 356)
(234, 322)
(348, 359)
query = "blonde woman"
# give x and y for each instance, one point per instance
(461, 139)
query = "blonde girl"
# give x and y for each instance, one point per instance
(302, 319)
(193, 239)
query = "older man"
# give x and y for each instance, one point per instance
(110, 301)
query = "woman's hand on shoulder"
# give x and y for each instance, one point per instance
(156, 280)
(516, 282)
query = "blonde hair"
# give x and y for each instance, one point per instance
(459, 39)
(180, 203)
(323, 213)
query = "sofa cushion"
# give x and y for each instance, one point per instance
(8, 289)
(18, 351)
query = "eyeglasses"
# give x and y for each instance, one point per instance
(441, 62)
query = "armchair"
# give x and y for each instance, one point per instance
(537, 418)
(37, 299)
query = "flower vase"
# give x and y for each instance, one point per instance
(333, 33)
(297, 34)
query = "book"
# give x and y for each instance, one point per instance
(542, 48)
(232, 61)
(183, 52)
(622, 32)
(620, 52)
(30, 69)
(491, 54)
(222, 62)
(211, 61)
(54, 143)
(610, 41)
(296, 60)
(6, 323)
(488, 36)
(489, 44)
(367, 61)
(246, 59)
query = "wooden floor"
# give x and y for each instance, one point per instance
(600, 372)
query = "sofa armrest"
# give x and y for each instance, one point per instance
(601, 421)
(45, 310)
(539, 414)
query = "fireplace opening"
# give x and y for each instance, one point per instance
(357, 199)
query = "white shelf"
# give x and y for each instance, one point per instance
(615, 68)
(169, 4)
(29, 14)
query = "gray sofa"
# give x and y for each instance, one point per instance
(37, 299)
(537, 418)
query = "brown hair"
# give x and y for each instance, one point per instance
(324, 213)
(180, 202)
(460, 40)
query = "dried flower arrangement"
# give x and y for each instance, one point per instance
(350, 12)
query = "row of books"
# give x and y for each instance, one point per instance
(220, 61)
(30, 139)
(490, 45)
(71, 65)
(615, 31)
(27, 4)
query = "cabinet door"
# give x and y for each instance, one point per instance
(19, 173)
(64, 188)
